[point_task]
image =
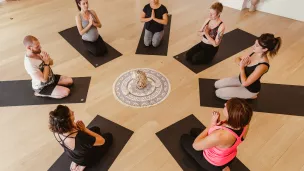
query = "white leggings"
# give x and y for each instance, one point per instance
(228, 88)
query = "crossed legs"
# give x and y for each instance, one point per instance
(59, 90)
(228, 88)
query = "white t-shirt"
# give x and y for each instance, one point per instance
(32, 67)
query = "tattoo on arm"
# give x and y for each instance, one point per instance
(220, 37)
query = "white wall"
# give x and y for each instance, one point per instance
(236, 4)
(287, 8)
(293, 9)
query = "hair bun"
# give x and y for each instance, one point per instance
(277, 39)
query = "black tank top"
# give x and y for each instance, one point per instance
(213, 32)
(255, 87)
(83, 151)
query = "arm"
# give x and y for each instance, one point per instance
(245, 133)
(207, 142)
(257, 73)
(143, 17)
(99, 139)
(96, 22)
(201, 136)
(81, 30)
(163, 21)
(218, 38)
(219, 35)
(51, 62)
(42, 76)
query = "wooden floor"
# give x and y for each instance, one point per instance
(274, 143)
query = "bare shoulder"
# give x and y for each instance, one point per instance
(222, 27)
(206, 20)
(224, 136)
(219, 134)
(92, 11)
(77, 17)
(264, 60)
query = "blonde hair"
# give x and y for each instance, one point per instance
(218, 7)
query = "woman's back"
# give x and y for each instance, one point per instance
(226, 150)
(78, 146)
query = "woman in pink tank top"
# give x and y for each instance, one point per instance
(216, 147)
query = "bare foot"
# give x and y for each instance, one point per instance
(80, 168)
(252, 8)
(39, 95)
(226, 169)
(254, 97)
(73, 166)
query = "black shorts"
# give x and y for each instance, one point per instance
(47, 90)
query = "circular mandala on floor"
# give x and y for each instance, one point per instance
(141, 87)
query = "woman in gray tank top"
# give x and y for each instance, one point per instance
(87, 23)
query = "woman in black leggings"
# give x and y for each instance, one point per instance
(84, 146)
(215, 148)
(212, 33)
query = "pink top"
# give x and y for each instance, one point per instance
(221, 156)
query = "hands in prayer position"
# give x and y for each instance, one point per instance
(245, 62)
(216, 119)
(206, 30)
(80, 125)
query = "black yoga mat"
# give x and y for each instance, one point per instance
(72, 36)
(20, 93)
(233, 42)
(162, 49)
(121, 136)
(273, 98)
(170, 137)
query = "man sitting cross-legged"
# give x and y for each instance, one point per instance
(37, 65)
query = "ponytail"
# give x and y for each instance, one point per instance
(272, 44)
(273, 52)
(77, 3)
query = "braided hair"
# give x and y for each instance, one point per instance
(59, 120)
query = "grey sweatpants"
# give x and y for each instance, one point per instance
(155, 38)
(228, 88)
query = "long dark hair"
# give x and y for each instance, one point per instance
(273, 44)
(239, 112)
(59, 120)
(77, 3)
